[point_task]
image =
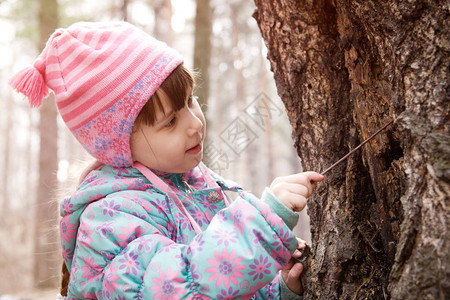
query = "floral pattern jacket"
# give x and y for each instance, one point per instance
(124, 239)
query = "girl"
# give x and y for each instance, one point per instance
(149, 220)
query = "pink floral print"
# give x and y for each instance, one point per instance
(84, 235)
(225, 268)
(109, 207)
(91, 270)
(196, 246)
(168, 285)
(225, 236)
(271, 217)
(110, 283)
(240, 218)
(129, 233)
(67, 206)
(129, 263)
(228, 294)
(260, 267)
(67, 230)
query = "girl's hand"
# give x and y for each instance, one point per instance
(292, 272)
(293, 190)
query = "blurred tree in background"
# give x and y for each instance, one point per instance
(202, 54)
(45, 222)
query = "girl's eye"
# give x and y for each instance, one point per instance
(170, 123)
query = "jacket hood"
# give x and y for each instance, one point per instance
(97, 185)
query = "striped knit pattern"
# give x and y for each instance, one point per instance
(102, 74)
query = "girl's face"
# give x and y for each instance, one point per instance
(174, 143)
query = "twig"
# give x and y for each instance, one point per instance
(359, 146)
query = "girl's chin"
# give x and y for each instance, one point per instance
(194, 163)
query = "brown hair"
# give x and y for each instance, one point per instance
(176, 87)
(65, 278)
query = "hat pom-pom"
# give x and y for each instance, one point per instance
(30, 82)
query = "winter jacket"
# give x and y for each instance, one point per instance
(123, 238)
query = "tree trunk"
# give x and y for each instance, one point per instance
(124, 10)
(248, 151)
(163, 25)
(46, 258)
(380, 221)
(270, 155)
(202, 49)
(202, 57)
(6, 157)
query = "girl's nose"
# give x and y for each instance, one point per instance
(195, 122)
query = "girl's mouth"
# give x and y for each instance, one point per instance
(196, 149)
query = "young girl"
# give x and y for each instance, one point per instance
(149, 220)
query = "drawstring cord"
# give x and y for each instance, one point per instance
(165, 188)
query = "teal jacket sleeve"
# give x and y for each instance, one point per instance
(287, 215)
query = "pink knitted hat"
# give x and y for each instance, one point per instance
(102, 75)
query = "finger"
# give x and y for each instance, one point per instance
(295, 272)
(299, 189)
(314, 176)
(309, 181)
(293, 280)
(301, 243)
(298, 202)
(306, 179)
(290, 264)
(295, 188)
(296, 253)
(300, 177)
(295, 203)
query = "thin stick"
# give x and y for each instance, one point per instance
(359, 146)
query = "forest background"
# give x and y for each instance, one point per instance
(249, 135)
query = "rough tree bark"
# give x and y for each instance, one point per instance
(380, 221)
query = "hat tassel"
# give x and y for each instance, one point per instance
(30, 82)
